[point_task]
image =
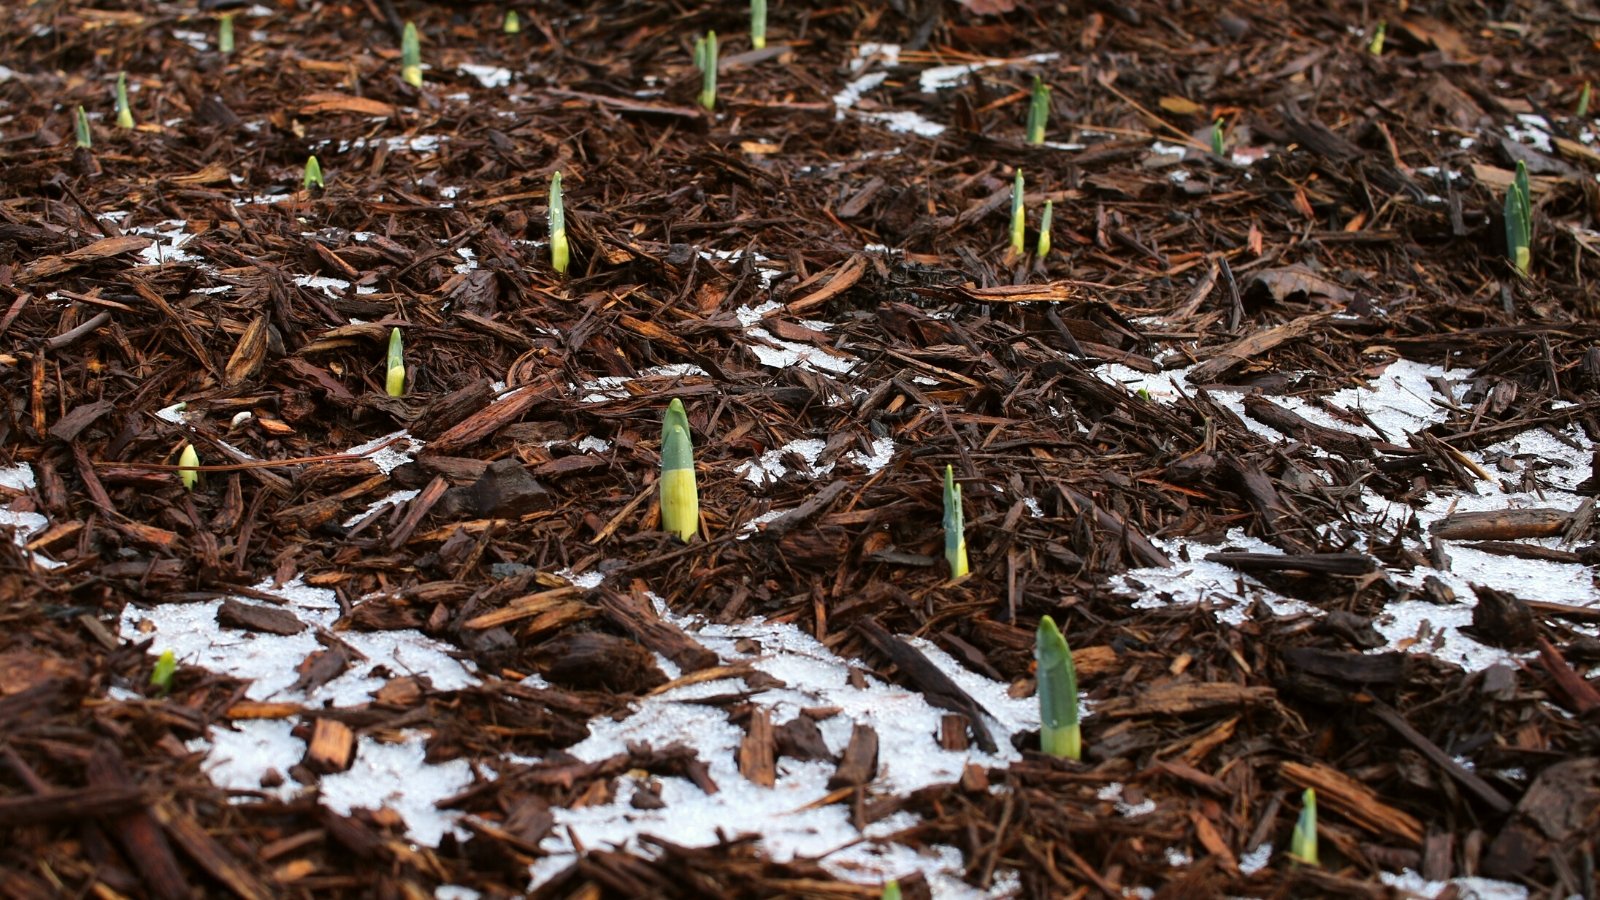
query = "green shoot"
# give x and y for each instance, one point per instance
(1519, 221)
(560, 254)
(394, 381)
(705, 57)
(124, 112)
(680, 496)
(1038, 111)
(758, 24)
(161, 676)
(1583, 103)
(1045, 221)
(513, 23)
(891, 890)
(1376, 47)
(80, 127)
(1303, 842)
(1059, 734)
(313, 174)
(1018, 223)
(188, 461)
(411, 56)
(1217, 147)
(225, 33)
(955, 527)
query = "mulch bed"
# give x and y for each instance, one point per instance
(1315, 256)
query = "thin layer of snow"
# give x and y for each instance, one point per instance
(909, 758)
(770, 466)
(18, 477)
(905, 121)
(613, 387)
(1401, 401)
(170, 236)
(389, 456)
(268, 661)
(394, 498)
(940, 77)
(776, 353)
(1478, 888)
(488, 76)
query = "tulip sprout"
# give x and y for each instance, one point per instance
(1376, 47)
(313, 175)
(188, 471)
(161, 675)
(1018, 223)
(513, 23)
(1519, 221)
(1303, 842)
(225, 33)
(1038, 111)
(411, 56)
(680, 497)
(955, 529)
(394, 382)
(1583, 103)
(124, 112)
(560, 255)
(1045, 221)
(1216, 137)
(80, 127)
(705, 59)
(758, 24)
(1059, 734)
(891, 890)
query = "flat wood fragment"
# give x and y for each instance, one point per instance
(1228, 357)
(1178, 698)
(1501, 525)
(1353, 801)
(332, 747)
(758, 750)
(859, 764)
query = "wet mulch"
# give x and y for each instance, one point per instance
(794, 271)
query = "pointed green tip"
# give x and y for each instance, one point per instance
(677, 442)
(394, 381)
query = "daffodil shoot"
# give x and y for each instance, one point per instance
(680, 496)
(705, 54)
(1019, 225)
(411, 56)
(955, 528)
(560, 254)
(1519, 221)
(394, 382)
(161, 676)
(1303, 842)
(80, 128)
(124, 112)
(1045, 221)
(188, 471)
(1038, 111)
(1059, 734)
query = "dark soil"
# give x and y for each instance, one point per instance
(1334, 251)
